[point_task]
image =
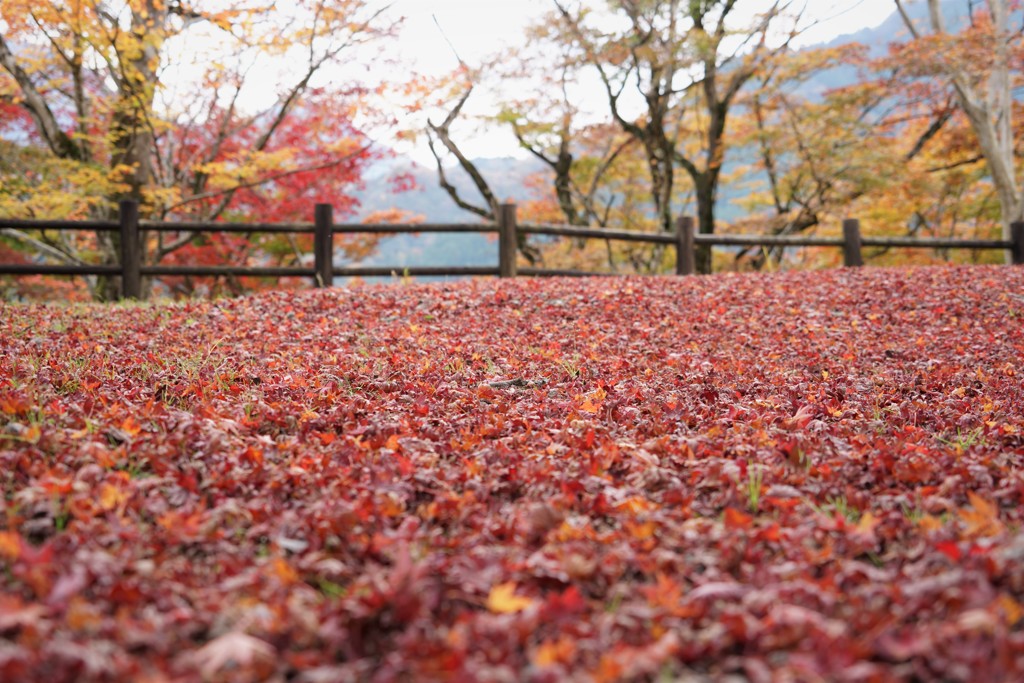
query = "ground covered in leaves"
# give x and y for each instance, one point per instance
(810, 476)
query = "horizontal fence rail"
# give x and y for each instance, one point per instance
(685, 239)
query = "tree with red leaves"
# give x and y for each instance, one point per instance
(167, 104)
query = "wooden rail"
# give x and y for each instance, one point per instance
(685, 240)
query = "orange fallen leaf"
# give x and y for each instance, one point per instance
(130, 426)
(284, 571)
(503, 599)
(111, 497)
(592, 401)
(10, 545)
(555, 652)
(982, 519)
(866, 525)
(737, 519)
(1010, 608)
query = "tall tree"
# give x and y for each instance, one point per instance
(978, 62)
(93, 77)
(688, 62)
(856, 148)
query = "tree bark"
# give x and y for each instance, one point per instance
(988, 106)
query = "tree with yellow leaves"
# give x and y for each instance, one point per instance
(91, 83)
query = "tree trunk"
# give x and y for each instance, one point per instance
(988, 106)
(705, 191)
(132, 135)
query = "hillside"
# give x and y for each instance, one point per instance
(805, 476)
(427, 199)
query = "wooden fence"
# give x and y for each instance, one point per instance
(684, 239)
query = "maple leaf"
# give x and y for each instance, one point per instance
(16, 613)
(950, 549)
(981, 519)
(10, 545)
(284, 571)
(558, 651)
(492, 485)
(737, 519)
(111, 496)
(235, 648)
(865, 527)
(929, 523)
(130, 426)
(1011, 610)
(503, 599)
(592, 402)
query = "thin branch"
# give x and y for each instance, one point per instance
(442, 132)
(41, 246)
(452, 191)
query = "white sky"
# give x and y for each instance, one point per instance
(478, 28)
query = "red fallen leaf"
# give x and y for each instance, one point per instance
(718, 590)
(14, 613)
(188, 481)
(405, 466)
(904, 645)
(14, 404)
(689, 402)
(782, 503)
(233, 648)
(566, 603)
(68, 586)
(252, 456)
(182, 526)
(800, 418)
(635, 663)
(58, 486)
(950, 549)
(736, 519)
(326, 438)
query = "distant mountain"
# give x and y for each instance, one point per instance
(507, 179)
(505, 175)
(878, 39)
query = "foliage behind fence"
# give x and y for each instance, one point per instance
(685, 240)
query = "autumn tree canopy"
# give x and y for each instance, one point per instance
(916, 137)
(231, 110)
(180, 106)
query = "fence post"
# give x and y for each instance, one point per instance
(508, 243)
(1017, 236)
(323, 245)
(131, 252)
(852, 255)
(686, 262)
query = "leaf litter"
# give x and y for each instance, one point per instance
(799, 476)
